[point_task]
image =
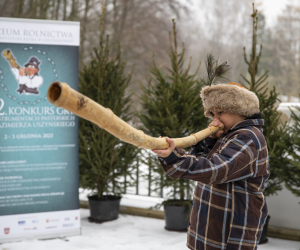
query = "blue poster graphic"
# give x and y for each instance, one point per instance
(38, 141)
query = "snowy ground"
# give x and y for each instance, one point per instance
(126, 233)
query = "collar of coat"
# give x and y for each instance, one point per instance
(247, 123)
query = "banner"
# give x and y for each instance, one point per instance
(38, 142)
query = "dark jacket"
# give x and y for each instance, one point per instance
(229, 208)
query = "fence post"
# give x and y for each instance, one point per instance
(162, 185)
(113, 181)
(125, 183)
(149, 177)
(174, 195)
(137, 176)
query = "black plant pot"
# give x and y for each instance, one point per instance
(105, 209)
(263, 238)
(176, 218)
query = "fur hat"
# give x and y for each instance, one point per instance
(231, 98)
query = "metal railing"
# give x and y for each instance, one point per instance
(144, 186)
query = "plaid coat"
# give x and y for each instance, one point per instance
(229, 209)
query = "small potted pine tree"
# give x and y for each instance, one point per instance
(274, 130)
(105, 161)
(291, 173)
(171, 107)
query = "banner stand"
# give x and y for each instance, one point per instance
(39, 165)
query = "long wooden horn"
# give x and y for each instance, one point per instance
(62, 95)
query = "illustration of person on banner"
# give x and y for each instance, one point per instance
(28, 78)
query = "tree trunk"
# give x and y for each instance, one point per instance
(65, 10)
(3, 7)
(83, 30)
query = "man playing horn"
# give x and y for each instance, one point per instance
(27, 77)
(231, 167)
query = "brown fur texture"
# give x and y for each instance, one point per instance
(229, 98)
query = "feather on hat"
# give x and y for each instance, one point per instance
(231, 97)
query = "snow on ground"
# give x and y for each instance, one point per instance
(126, 233)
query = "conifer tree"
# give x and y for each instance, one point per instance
(275, 132)
(105, 161)
(171, 106)
(291, 174)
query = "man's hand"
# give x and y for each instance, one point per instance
(216, 123)
(21, 71)
(165, 152)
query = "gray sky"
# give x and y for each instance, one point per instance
(271, 9)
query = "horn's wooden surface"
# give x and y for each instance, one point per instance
(9, 57)
(62, 95)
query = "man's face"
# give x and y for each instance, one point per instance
(228, 119)
(31, 70)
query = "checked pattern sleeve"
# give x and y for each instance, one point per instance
(232, 162)
(203, 147)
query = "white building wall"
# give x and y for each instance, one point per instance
(284, 210)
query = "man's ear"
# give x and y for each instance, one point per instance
(36, 70)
